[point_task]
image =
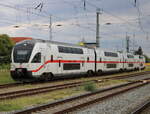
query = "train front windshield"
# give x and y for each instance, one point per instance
(22, 52)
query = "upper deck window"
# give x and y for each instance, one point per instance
(130, 56)
(111, 54)
(63, 49)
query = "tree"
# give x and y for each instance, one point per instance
(139, 51)
(5, 48)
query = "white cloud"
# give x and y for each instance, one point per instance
(75, 22)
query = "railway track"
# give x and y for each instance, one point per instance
(141, 108)
(129, 75)
(74, 103)
(45, 89)
(9, 85)
(103, 77)
(29, 92)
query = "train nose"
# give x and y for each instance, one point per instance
(20, 72)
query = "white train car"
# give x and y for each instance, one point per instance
(38, 59)
(129, 61)
(141, 62)
(137, 62)
(108, 61)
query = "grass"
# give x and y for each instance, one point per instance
(20, 103)
(4, 66)
(5, 77)
(147, 68)
(90, 86)
(29, 101)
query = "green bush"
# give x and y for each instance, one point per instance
(90, 86)
(4, 66)
(6, 46)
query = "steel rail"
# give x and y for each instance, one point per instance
(33, 91)
(129, 75)
(72, 108)
(34, 83)
(9, 85)
(141, 108)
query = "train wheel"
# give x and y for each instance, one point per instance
(99, 73)
(50, 76)
(47, 76)
(90, 73)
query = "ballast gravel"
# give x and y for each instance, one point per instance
(139, 77)
(120, 104)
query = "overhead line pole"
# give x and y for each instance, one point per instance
(127, 42)
(97, 28)
(50, 28)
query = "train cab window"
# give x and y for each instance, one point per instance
(37, 58)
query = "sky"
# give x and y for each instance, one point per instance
(75, 20)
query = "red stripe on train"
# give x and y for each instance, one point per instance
(77, 61)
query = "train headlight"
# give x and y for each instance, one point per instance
(12, 66)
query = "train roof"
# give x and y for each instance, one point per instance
(34, 41)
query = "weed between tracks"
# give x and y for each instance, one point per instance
(90, 86)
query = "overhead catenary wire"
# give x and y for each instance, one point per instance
(43, 16)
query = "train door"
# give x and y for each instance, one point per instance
(37, 63)
(82, 64)
(43, 61)
(123, 62)
(60, 65)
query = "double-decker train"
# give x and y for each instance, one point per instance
(42, 60)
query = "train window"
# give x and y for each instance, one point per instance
(140, 57)
(21, 55)
(100, 59)
(88, 58)
(80, 51)
(65, 50)
(71, 66)
(37, 58)
(51, 57)
(60, 49)
(130, 56)
(130, 65)
(74, 50)
(111, 54)
(111, 65)
(70, 50)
